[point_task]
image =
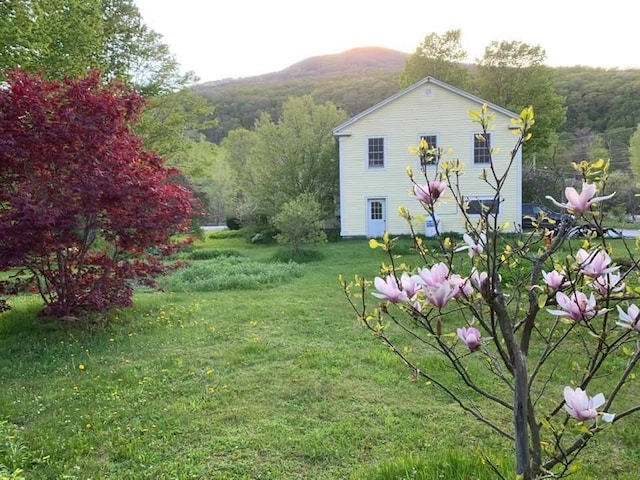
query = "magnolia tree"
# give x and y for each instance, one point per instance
(542, 333)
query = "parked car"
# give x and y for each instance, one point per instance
(541, 215)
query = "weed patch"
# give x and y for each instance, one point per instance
(453, 466)
(229, 273)
(211, 253)
(297, 256)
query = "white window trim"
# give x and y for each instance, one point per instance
(473, 149)
(385, 155)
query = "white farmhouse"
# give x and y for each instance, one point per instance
(374, 153)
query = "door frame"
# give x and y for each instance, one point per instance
(368, 219)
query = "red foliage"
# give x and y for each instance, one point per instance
(73, 175)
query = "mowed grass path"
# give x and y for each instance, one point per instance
(265, 383)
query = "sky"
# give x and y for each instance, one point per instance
(220, 39)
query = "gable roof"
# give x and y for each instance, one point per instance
(411, 88)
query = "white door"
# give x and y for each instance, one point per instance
(376, 217)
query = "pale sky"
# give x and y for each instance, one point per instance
(241, 38)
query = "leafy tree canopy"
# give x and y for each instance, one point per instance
(439, 56)
(293, 156)
(634, 153)
(513, 75)
(80, 200)
(71, 37)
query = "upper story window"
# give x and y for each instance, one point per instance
(375, 152)
(481, 148)
(429, 156)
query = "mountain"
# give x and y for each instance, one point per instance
(357, 61)
(354, 80)
(599, 101)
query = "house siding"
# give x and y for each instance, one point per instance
(426, 109)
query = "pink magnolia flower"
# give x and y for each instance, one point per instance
(388, 290)
(608, 283)
(411, 284)
(474, 247)
(430, 191)
(577, 307)
(553, 279)
(477, 279)
(439, 296)
(582, 407)
(630, 318)
(470, 336)
(578, 203)
(594, 264)
(434, 276)
(461, 286)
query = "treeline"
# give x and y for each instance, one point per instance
(603, 106)
(238, 104)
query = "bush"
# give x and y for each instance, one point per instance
(333, 234)
(233, 223)
(300, 222)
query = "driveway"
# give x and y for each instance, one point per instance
(630, 233)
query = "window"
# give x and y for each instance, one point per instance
(483, 206)
(376, 210)
(375, 149)
(481, 148)
(429, 157)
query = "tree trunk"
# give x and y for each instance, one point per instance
(520, 416)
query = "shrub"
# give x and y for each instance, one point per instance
(81, 200)
(300, 222)
(233, 223)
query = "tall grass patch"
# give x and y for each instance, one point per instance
(302, 255)
(453, 466)
(229, 273)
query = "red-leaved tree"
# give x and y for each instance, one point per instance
(81, 201)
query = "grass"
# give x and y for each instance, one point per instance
(244, 383)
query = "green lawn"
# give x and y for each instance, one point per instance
(250, 383)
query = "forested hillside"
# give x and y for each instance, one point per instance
(598, 101)
(353, 80)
